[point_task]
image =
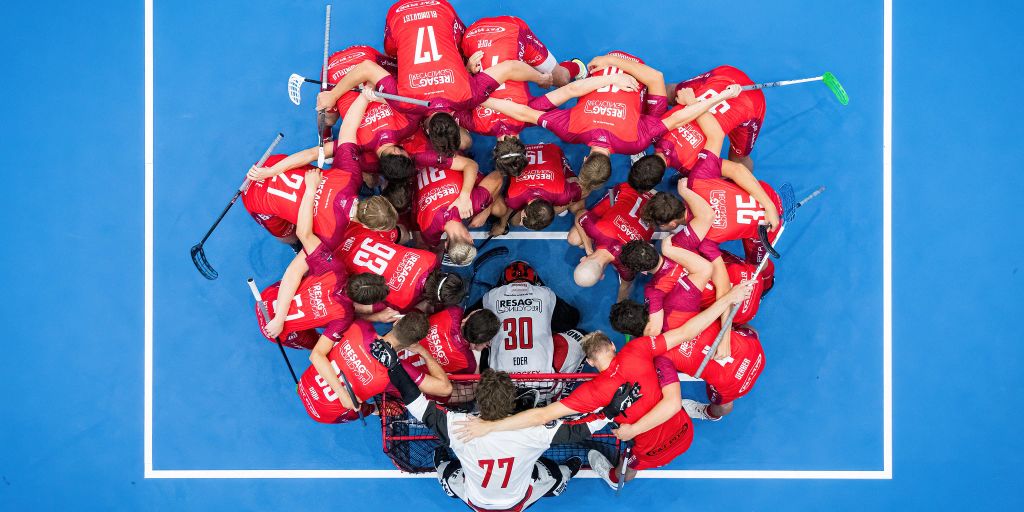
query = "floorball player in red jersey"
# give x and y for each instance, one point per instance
(453, 336)
(444, 198)
(275, 190)
(633, 364)
(740, 117)
(424, 36)
(545, 188)
(413, 276)
(328, 400)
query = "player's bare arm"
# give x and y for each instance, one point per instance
(293, 161)
(354, 117)
(653, 79)
(668, 407)
(318, 357)
(742, 176)
(289, 285)
(304, 222)
(702, 320)
(464, 202)
(436, 383)
(692, 111)
(516, 70)
(588, 85)
(720, 277)
(365, 71)
(473, 428)
(699, 270)
(699, 208)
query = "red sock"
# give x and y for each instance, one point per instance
(613, 475)
(574, 68)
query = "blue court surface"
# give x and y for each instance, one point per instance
(194, 411)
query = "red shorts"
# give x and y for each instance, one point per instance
(751, 363)
(305, 339)
(481, 198)
(481, 86)
(746, 112)
(675, 437)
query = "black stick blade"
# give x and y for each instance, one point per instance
(762, 233)
(203, 266)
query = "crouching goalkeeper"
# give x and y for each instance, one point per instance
(503, 470)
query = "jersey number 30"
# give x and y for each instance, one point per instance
(518, 333)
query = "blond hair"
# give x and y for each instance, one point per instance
(377, 213)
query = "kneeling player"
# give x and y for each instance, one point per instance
(506, 470)
(545, 188)
(444, 198)
(453, 337)
(329, 400)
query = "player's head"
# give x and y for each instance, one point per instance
(589, 271)
(377, 213)
(444, 288)
(367, 288)
(538, 214)
(629, 317)
(510, 156)
(395, 164)
(461, 252)
(596, 171)
(399, 194)
(410, 328)
(520, 271)
(639, 256)
(479, 327)
(646, 173)
(444, 134)
(598, 349)
(665, 210)
(495, 395)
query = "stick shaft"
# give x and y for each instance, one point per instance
(781, 83)
(812, 195)
(263, 159)
(385, 95)
(260, 303)
(327, 44)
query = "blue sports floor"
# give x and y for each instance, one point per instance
(72, 432)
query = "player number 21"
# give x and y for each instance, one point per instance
(488, 466)
(293, 182)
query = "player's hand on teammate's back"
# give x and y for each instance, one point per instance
(625, 396)
(471, 428)
(626, 82)
(383, 352)
(258, 173)
(685, 96)
(601, 61)
(473, 64)
(740, 292)
(313, 178)
(464, 203)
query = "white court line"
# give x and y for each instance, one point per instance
(542, 235)
(884, 474)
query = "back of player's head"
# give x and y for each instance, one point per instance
(367, 288)
(410, 328)
(460, 252)
(495, 396)
(629, 317)
(396, 166)
(538, 214)
(663, 208)
(444, 288)
(480, 326)
(596, 170)
(595, 343)
(646, 173)
(399, 194)
(588, 273)
(377, 213)
(444, 134)
(639, 256)
(510, 156)
(520, 270)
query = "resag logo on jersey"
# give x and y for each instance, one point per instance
(519, 305)
(353, 363)
(624, 226)
(378, 113)
(316, 300)
(536, 175)
(692, 137)
(717, 200)
(484, 30)
(605, 108)
(413, 5)
(402, 270)
(436, 349)
(438, 193)
(431, 78)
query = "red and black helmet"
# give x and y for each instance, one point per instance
(520, 271)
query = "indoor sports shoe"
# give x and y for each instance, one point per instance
(574, 464)
(441, 456)
(583, 69)
(697, 410)
(600, 464)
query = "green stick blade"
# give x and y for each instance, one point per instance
(833, 85)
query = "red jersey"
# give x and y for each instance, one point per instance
(445, 343)
(405, 269)
(335, 198)
(737, 213)
(615, 220)
(436, 190)
(681, 146)
(635, 363)
(364, 373)
(501, 38)
(546, 176)
(733, 376)
(609, 108)
(670, 288)
(320, 301)
(739, 271)
(748, 107)
(424, 35)
(423, 154)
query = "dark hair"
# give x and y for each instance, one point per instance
(444, 134)
(538, 214)
(646, 173)
(481, 326)
(444, 287)
(495, 395)
(663, 208)
(367, 288)
(596, 170)
(629, 317)
(639, 256)
(411, 328)
(510, 156)
(396, 167)
(399, 193)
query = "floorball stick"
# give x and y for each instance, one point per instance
(828, 79)
(295, 87)
(260, 303)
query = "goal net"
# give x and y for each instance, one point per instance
(410, 444)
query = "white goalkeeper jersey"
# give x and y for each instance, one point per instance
(523, 344)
